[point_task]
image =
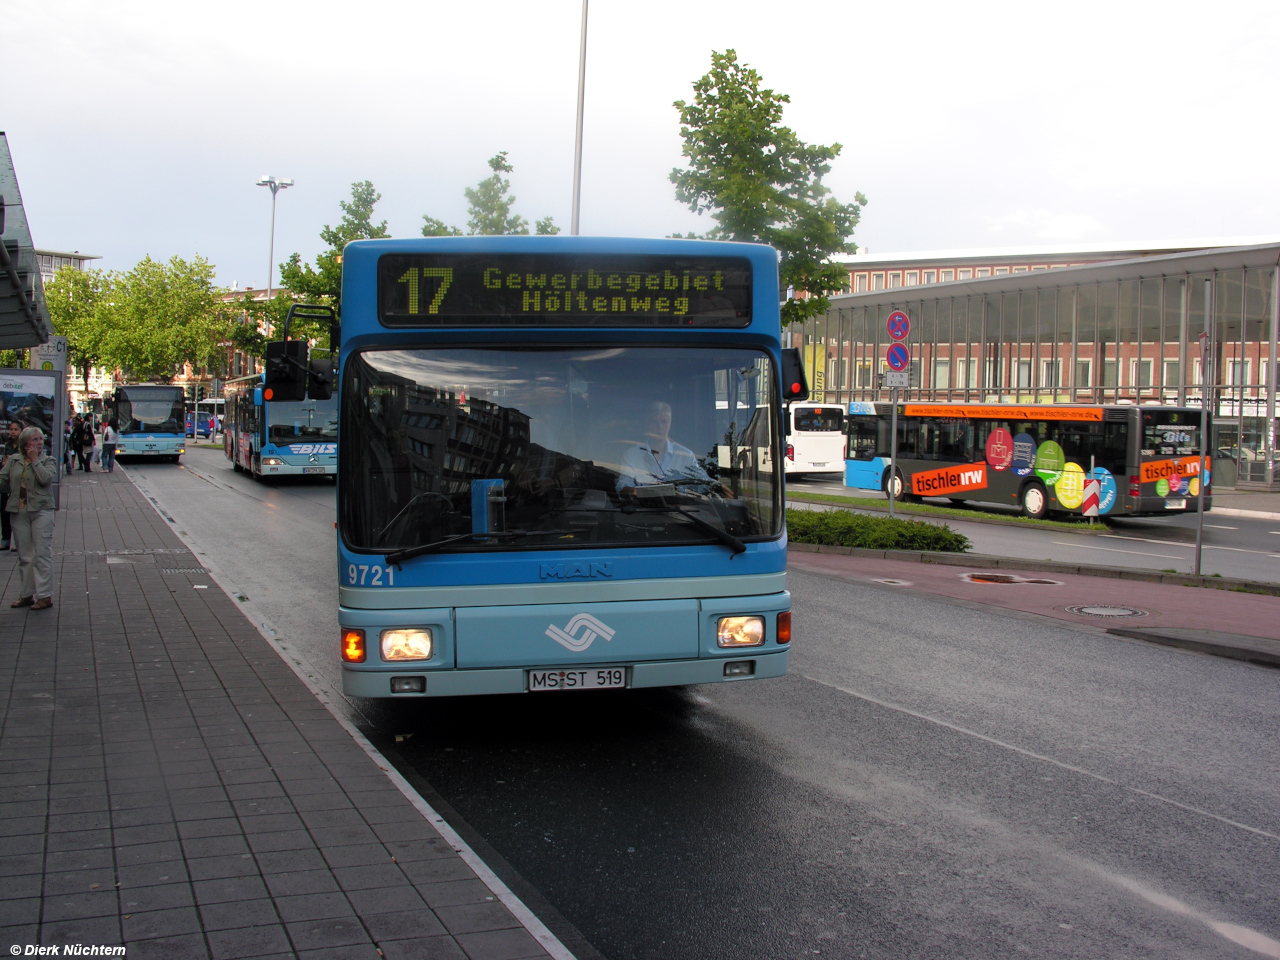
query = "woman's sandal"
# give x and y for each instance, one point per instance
(23, 602)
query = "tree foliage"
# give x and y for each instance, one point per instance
(323, 284)
(77, 305)
(145, 323)
(763, 184)
(489, 205)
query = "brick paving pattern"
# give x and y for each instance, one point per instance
(167, 783)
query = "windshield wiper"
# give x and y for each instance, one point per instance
(706, 526)
(397, 557)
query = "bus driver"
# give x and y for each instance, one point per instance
(660, 459)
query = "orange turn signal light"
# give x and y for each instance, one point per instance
(784, 627)
(353, 646)
(268, 394)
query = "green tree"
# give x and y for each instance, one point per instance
(323, 284)
(161, 315)
(763, 184)
(77, 302)
(489, 204)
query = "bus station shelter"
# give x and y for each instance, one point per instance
(24, 318)
(1121, 331)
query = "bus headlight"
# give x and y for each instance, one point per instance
(272, 462)
(740, 631)
(412, 644)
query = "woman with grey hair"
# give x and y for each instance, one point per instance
(27, 477)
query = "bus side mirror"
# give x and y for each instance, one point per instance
(846, 426)
(795, 386)
(257, 396)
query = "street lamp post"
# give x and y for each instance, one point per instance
(577, 139)
(266, 180)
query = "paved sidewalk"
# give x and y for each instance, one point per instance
(168, 784)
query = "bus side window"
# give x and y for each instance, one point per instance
(862, 438)
(1115, 448)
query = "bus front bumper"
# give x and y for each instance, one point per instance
(660, 673)
(278, 467)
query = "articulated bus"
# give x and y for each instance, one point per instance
(152, 419)
(815, 438)
(273, 438)
(557, 465)
(1146, 458)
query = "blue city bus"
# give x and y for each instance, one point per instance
(277, 438)
(152, 419)
(560, 465)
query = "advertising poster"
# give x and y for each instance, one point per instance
(27, 396)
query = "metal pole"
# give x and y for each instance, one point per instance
(271, 248)
(577, 140)
(893, 446)
(1205, 347)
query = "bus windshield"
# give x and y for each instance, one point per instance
(594, 446)
(819, 419)
(151, 410)
(1170, 436)
(302, 421)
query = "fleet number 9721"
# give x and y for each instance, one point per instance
(370, 575)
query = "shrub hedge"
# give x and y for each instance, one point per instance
(843, 528)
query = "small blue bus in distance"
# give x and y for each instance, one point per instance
(559, 465)
(152, 420)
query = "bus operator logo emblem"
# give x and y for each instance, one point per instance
(583, 623)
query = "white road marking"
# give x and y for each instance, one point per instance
(1132, 553)
(1040, 756)
(1243, 936)
(1218, 526)
(1175, 543)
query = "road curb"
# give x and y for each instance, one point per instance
(1231, 646)
(1247, 514)
(1045, 566)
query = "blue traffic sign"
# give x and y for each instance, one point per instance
(898, 356)
(899, 325)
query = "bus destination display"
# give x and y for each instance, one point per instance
(563, 290)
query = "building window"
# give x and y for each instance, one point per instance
(877, 281)
(965, 274)
(1040, 267)
(1050, 371)
(930, 276)
(895, 280)
(1173, 373)
(947, 275)
(982, 272)
(862, 374)
(1084, 373)
(1110, 369)
(1024, 374)
(913, 373)
(913, 278)
(942, 374)
(860, 283)
(1019, 269)
(1141, 372)
(1237, 372)
(1001, 271)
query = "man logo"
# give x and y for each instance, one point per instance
(579, 570)
(585, 623)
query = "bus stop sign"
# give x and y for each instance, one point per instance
(899, 325)
(898, 357)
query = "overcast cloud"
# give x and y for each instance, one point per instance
(140, 127)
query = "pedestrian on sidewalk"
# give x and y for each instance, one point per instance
(28, 479)
(109, 436)
(69, 446)
(84, 445)
(8, 449)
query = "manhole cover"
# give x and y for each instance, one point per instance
(1107, 611)
(1005, 578)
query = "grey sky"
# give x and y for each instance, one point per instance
(140, 127)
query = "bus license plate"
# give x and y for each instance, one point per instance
(313, 469)
(594, 678)
(1175, 504)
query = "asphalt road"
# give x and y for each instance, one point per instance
(1242, 547)
(932, 779)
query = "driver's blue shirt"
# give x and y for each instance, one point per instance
(642, 466)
